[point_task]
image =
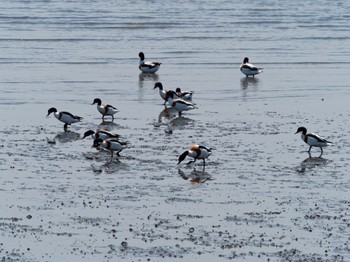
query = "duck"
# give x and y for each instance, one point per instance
(146, 66)
(105, 109)
(186, 95)
(196, 152)
(164, 93)
(111, 144)
(313, 139)
(249, 69)
(65, 117)
(103, 134)
(179, 104)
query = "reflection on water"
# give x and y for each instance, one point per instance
(311, 163)
(249, 82)
(166, 115)
(195, 177)
(144, 77)
(110, 166)
(181, 121)
(108, 125)
(64, 137)
(169, 117)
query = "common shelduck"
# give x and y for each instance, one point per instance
(113, 145)
(313, 139)
(103, 134)
(196, 152)
(179, 104)
(249, 69)
(186, 95)
(164, 93)
(105, 109)
(146, 66)
(65, 117)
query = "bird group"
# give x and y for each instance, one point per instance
(102, 138)
(177, 99)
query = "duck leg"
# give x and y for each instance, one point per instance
(310, 149)
(321, 152)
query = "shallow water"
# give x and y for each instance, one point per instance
(261, 196)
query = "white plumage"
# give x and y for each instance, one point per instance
(179, 104)
(146, 66)
(65, 117)
(105, 109)
(249, 69)
(313, 139)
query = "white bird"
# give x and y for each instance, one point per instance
(103, 134)
(179, 104)
(105, 109)
(146, 66)
(249, 69)
(313, 139)
(113, 145)
(196, 152)
(65, 117)
(186, 95)
(164, 93)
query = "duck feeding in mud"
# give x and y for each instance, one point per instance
(196, 152)
(65, 117)
(113, 145)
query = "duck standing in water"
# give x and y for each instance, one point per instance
(179, 104)
(249, 69)
(186, 95)
(105, 109)
(146, 66)
(313, 139)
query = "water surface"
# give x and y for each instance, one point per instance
(260, 197)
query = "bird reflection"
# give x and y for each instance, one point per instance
(109, 167)
(181, 121)
(145, 77)
(169, 117)
(195, 177)
(108, 125)
(166, 115)
(311, 163)
(64, 137)
(249, 81)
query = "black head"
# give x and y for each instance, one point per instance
(158, 85)
(97, 142)
(98, 101)
(51, 110)
(171, 94)
(88, 133)
(245, 60)
(178, 90)
(301, 129)
(182, 157)
(142, 56)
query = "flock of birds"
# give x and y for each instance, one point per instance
(180, 101)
